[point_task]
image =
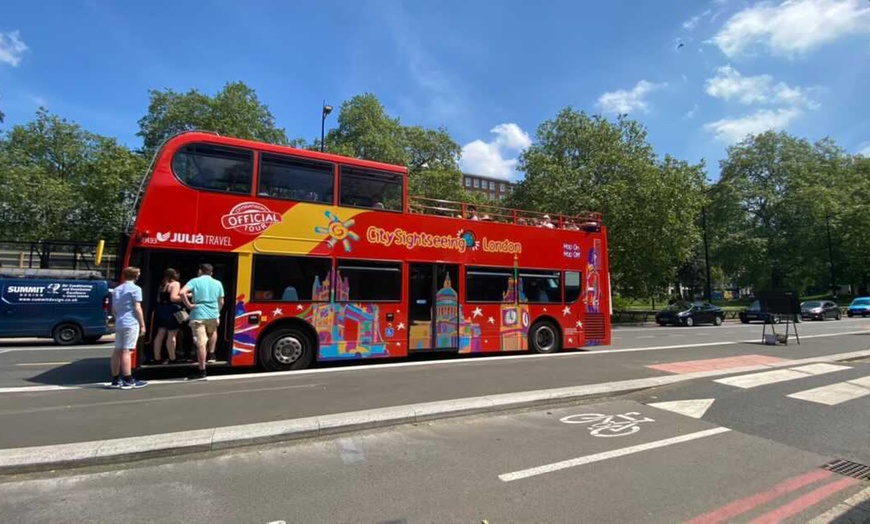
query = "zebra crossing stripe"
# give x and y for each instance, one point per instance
(754, 380)
(836, 393)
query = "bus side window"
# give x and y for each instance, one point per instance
(215, 168)
(291, 279)
(370, 188)
(541, 286)
(291, 178)
(573, 289)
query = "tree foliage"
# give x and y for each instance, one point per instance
(60, 182)
(772, 208)
(366, 131)
(234, 111)
(588, 163)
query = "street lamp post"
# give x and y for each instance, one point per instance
(325, 111)
(834, 287)
(708, 288)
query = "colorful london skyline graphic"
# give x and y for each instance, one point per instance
(349, 330)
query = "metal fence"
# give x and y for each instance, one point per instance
(641, 316)
(58, 255)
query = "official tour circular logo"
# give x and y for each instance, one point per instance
(250, 218)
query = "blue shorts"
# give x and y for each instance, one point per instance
(126, 338)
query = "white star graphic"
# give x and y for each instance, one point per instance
(545, 310)
(398, 343)
(566, 311)
(401, 326)
(278, 312)
(299, 307)
(570, 340)
(579, 324)
(477, 313)
(491, 320)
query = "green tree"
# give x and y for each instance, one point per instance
(770, 208)
(581, 162)
(60, 182)
(366, 131)
(849, 231)
(234, 111)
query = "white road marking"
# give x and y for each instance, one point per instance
(690, 408)
(489, 359)
(781, 375)
(844, 507)
(836, 393)
(606, 455)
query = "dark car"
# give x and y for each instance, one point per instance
(754, 313)
(820, 310)
(860, 307)
(682, 313)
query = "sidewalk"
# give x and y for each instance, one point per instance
(96, 426)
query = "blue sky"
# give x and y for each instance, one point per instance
(490, 72)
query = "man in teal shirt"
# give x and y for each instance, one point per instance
(207, 301)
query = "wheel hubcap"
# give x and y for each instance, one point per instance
(67, 334)
(545, 339)
(287, 350)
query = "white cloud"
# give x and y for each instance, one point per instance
(793, 26)
(732, 130)
(729, 84)
(690, 114)
(692, 23)
(497, 158)
(864, 149)
(11, 48)
(624, 101)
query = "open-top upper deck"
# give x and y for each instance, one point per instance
(213, 193)
(188, 160)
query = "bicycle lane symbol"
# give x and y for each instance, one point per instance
(600, 425)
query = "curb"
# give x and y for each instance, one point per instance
(102, 452)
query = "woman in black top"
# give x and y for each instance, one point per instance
(168, 303)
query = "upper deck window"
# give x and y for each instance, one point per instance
(370, 188)
(293, 178)
(214, 168)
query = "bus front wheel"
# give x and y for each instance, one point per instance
(544, 337)
(286, 348)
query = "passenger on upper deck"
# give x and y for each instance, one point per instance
(472, 213)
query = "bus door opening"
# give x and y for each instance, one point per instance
(154, 263)
(434, 307)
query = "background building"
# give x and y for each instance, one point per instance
(495, 188)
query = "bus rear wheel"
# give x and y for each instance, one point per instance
(286, 348)
(544, 338)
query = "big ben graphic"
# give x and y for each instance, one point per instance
(514, 318)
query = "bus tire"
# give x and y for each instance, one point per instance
(67, 334)
(286, 348)
(544, 337)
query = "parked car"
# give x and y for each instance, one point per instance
(682, 313)
(67, 306)
(820, 310)
(859, 307)
(753, 312)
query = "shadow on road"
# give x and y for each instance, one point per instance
(82, 371)
(40, 343)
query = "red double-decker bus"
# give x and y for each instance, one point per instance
(325, 257)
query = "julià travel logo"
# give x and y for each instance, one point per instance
(192, 239)
(250, 218)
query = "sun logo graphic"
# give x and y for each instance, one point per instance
(337, 231)
(469, 239)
